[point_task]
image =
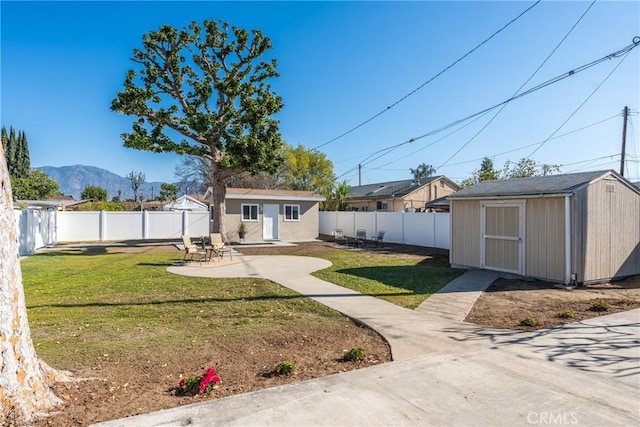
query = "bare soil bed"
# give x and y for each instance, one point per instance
(507, 302)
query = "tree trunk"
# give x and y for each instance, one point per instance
(219, 190)
(25, 381)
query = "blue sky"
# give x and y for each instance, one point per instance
(340, 63)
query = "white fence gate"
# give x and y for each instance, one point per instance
(410, 228)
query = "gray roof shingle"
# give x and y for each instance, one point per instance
(539, 185)
(388, 189)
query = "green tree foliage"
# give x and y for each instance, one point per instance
(526, 168)
(209, 85)
(486, 173)
(336, 197)
(422, 171)
(168, 191)
(137, 179)
(36, 186)
(23, 160)
(306, 170)
(95, 193)
(102, 206)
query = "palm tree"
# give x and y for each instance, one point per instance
(422, 171)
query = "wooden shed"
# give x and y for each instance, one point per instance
(580, 227)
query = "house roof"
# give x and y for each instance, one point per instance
(263, 194)
(185, 203)
(385, 190)
(539, 185)
(440, 203)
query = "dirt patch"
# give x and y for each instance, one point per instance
(507, 302)
(126, 386)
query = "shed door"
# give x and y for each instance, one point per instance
(502, 246)
(270, 221)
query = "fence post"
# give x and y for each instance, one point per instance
(103, 225)
(185, 224)
(402, 222)
(145, 224)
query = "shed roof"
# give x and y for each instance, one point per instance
(385, 190)
(259, 193)
(535, 186)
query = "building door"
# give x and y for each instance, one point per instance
(502, 245)
(270, 222)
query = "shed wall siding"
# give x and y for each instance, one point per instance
(545, 238)
(465, 233)
(612, 232)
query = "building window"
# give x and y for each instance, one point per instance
(249, 212)
(442, 183)
(381, 206)
(292, 212)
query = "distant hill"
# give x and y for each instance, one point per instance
(73, 179)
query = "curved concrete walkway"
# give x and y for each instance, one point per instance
(445, 372)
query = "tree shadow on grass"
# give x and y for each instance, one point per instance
(612, 348)
(419, 279)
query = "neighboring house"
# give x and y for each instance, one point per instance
(580, 227)
(290, 216)
(441, 204)
(185, 203)
(637, 184)
(397, 196)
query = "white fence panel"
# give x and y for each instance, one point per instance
(197, 224)
(36, 229)
(78, 227)
(418, 229)
(443, 231)
(122, 225)
(365, 221)
(411, 228)
(165, 225)
(392, 225)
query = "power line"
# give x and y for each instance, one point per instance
(491, 156)
(428, 81)
(520, 88)
(624, 51)
(581, 105)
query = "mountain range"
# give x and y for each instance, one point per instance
(73, 179)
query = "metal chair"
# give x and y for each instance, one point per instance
(378, 239)
(219, 246)
(339, 236)
(191, 249)
(361, 237)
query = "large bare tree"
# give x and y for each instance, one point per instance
(205, 91)
(25, 380)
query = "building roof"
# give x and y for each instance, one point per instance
(539, 185)
(185, 203)
(439, 203)
(386, 190)
(258, 193)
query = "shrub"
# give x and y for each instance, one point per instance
(354, 355)
(567, 314)
(529, 321)
(625, 301)
(599, 306)
(285, 368)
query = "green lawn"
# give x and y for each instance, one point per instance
(97, 302)
(84, 303)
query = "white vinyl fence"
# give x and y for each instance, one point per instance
(410, 228)
(38, 228)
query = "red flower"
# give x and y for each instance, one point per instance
(209, 376)
(181, 383)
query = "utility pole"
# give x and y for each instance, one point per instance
(359, 174)
(625, 115)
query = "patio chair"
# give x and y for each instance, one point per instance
(361, 238)
(219, 246)
(378, 239)
(339, 236)
(191, 250)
